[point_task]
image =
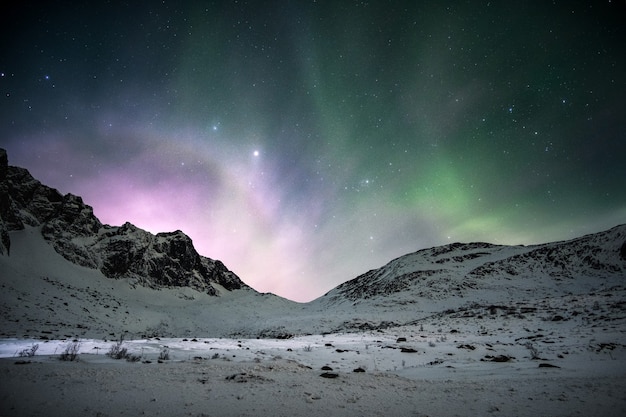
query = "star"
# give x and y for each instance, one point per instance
(340, 124)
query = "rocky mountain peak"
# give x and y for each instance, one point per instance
(164, 260)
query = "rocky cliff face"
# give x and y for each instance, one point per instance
(5, 204)
(69, 225)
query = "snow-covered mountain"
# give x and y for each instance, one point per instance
(474, 279)
(64, 274)
(458, 270)
(69, 225)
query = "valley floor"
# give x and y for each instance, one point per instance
(428, 374)
(285, 388)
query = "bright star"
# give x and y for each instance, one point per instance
(256, 153)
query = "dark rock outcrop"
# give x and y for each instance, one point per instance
(165, 259)
(70, 226)
(5, 204)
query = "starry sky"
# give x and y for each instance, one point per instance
(305, 142)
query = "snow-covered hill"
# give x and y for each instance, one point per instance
(43, 295)
(459, 270)
(64, 274)
(478, 276)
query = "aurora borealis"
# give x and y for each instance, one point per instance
(305, 142)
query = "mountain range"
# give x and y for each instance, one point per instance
(65, 274)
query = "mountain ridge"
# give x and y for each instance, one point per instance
(464, 265)
(163, 260)
(69, 274)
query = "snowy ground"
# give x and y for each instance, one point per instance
(535, 347)
(449, 373)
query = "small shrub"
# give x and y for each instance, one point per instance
(165, 354)
(117, 351)
(133, 358)
(307, 348)
(71, 352)
(30, 352)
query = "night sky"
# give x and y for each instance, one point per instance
(305, 142)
